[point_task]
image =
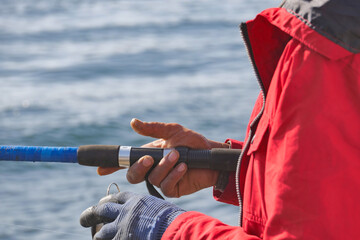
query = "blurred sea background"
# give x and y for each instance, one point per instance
(76, 72)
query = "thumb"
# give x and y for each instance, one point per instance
(155, 129)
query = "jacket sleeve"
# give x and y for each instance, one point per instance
(195, 226)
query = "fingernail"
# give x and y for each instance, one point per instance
(172, 156)
(134, 121)
(181, 167)
(146, 161)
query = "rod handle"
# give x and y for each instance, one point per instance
(114, 156)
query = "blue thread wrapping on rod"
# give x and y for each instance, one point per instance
(38, 154)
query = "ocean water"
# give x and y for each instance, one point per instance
(76, 72)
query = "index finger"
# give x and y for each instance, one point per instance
(155, 129)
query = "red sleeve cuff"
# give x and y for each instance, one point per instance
(195, 225)
(229, 194)
(235, 144)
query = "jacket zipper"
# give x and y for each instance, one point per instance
(245, 36)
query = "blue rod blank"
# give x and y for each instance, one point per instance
(38, 154)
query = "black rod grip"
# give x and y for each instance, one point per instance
(98, 155)
(222, 159)
(156, 153)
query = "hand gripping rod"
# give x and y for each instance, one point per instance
(121, 156)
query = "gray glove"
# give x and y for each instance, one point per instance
(129, 215)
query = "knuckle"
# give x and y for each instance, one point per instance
(133, 178)
(176, 126)
(154, 180)
(168, 191)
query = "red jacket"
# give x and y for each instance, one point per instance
(299, 174)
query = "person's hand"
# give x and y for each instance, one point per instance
(129, 215)
(173, 181)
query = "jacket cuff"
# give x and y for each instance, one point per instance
(234, 144)
(228, 194)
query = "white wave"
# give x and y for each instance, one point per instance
(57, 55)
(71, 15)
(96, 102)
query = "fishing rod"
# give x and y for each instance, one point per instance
(222, 159)
(121, 156)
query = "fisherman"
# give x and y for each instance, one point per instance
(298, 174)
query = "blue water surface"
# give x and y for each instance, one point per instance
(76, 72)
